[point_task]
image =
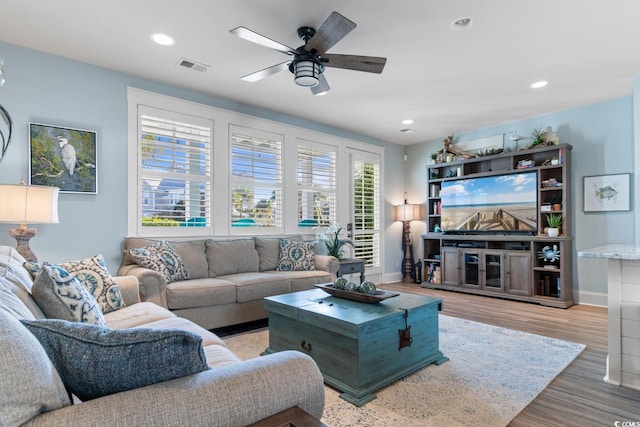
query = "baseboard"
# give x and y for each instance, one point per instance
(598, 299)
(390, 278)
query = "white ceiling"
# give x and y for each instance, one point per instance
(447, 82)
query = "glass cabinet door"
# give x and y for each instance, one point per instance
(471, 269)
(493, 271)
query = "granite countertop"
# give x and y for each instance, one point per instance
(628, 252)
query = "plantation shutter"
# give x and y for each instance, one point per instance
(175, 152)
(366, 210)
(256, 179)
(316, 180)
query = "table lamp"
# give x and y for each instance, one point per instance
(406, 213)
(27, 204)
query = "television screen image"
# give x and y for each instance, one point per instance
(499, 203)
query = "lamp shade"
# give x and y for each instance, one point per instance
(306, 73)
(28, 204)
(407, 212)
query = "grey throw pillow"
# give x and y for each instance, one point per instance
(60, 295)
(95, 361)
(29, 383)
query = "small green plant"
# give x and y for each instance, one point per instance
(536, 136)
(554, 220)
(556, 199)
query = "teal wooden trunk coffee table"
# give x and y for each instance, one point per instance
(358, 347)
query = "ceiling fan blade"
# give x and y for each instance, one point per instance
(252, 36)
(332, 30)
(259, 75)
(370, 64)
(322, 86)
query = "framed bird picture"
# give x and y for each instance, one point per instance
(63, 157)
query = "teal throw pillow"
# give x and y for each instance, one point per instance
(95, 361)
(60, 295)
(295, 256)
(161, 257)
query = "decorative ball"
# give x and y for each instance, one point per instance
(350, 286)
(368, 288)
(340, 282)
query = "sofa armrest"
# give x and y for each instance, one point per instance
(152, 285)
(327, 263)
(231, 395)
(129, 288)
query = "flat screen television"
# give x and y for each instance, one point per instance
(505, 204)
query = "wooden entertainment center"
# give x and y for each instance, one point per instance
(507, 263)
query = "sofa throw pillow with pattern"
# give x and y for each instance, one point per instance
(94, 361)
(161, 257)
(295, 256)
(94, 276)
(60, 295)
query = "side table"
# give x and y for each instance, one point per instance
(351, 265)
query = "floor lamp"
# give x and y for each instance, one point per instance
(27, 204)
(406, 213)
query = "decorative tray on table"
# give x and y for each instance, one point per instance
(357, 296)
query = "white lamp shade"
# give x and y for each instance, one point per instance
(28, 204)
(407, 212)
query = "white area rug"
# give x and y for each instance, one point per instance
(492, 374)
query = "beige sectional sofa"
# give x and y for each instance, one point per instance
(231, 393)
(228, 278)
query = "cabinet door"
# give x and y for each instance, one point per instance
(492, 271)
(450, 267)
(471, 269)
(518, 273)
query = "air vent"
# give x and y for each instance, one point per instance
(193, 65)
(407, 130)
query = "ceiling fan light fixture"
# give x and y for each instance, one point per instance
(307, 72)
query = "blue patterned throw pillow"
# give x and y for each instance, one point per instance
(295, 256)
(93, 274)
(94, 361)
(60, 295)
(161, 257)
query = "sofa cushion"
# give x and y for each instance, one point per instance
(200, 293)
(137, 315)
(304, 280)
(95, 361)
(29, 382)
(231, 256)
(255, 286)
(295, 256)
(12, 303)
(60, 295)
(268, 251)
(93, 274)
(161, 257)
(193, 254)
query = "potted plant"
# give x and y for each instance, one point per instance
(333, 242)
(554, 221)
(536, 137)
(556, 201)
(434, 158)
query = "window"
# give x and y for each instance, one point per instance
(256, 179)
(316, 180)
(366, 210)
(174, 178)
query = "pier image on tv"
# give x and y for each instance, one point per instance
(492, 203)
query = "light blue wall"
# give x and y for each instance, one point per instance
(602, 136)
(53, 90)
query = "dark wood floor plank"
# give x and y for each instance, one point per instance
(578, 396)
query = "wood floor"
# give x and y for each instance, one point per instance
(578, 396)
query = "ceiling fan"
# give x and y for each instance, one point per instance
(309, 60)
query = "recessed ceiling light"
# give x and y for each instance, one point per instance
(461, 24)
(538, 85)
(407, 122)
(163, 39)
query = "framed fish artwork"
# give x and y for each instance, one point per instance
(605, 193)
